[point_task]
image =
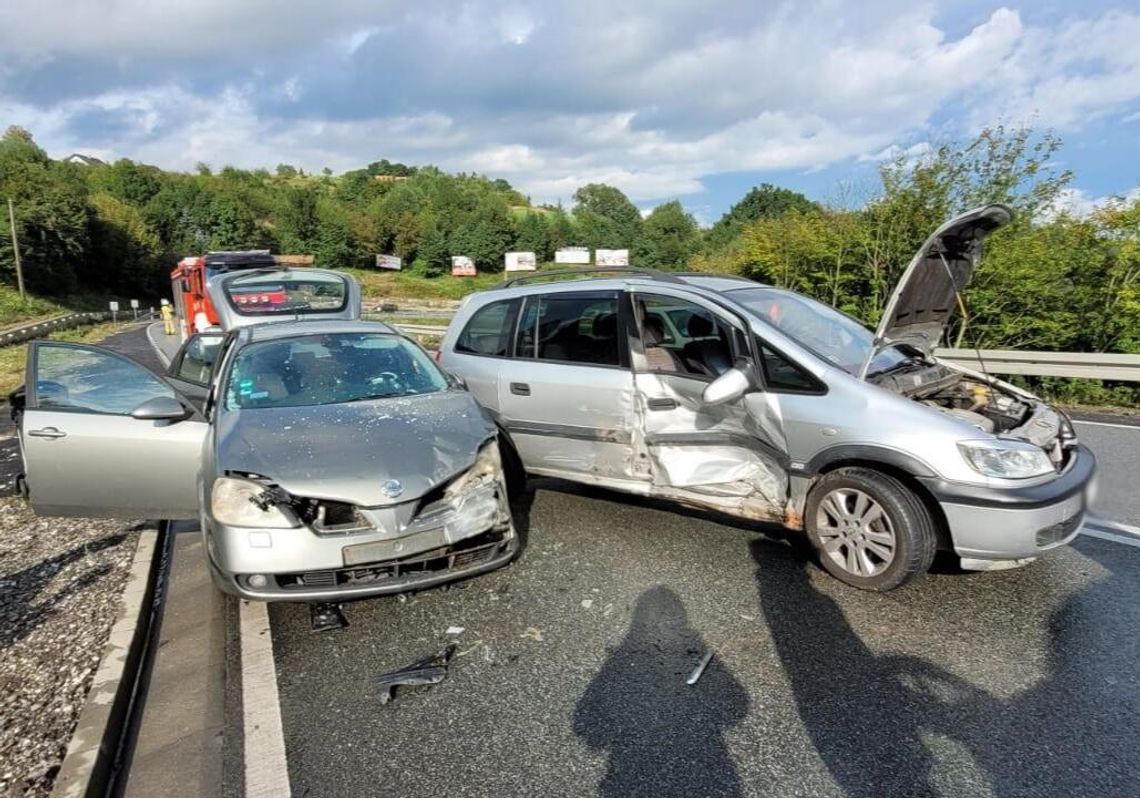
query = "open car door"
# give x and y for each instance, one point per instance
(104, 437)
(727, 451)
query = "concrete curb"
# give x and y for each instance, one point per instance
(94, 745)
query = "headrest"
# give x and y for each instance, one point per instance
(654, 330)
(699, 326)
(605, 326)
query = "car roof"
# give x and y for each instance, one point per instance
(594, 279)
(271, 330)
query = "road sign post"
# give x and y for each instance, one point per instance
(135, 308)
(114, 311)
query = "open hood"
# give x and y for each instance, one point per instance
(925, 299)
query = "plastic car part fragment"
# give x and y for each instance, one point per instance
(326, 616)
(426, 671)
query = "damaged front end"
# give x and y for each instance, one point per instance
(319, 548)
(990, 405)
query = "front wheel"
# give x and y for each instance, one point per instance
(870, 530)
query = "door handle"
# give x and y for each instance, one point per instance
(520, 389)
(663, 403)
(47, 432)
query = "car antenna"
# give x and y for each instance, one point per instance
(965, 319)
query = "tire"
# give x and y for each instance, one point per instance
(869, 529)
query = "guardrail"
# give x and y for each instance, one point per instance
(1083, 365)
(18, 335)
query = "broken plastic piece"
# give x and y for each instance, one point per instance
(697, 671)
(426, 671)
(455, 630)
(326, 616)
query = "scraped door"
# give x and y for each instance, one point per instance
(730, 457)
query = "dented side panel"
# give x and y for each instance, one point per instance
(729, 457)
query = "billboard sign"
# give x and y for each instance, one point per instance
(388, 262)
(462, 266)
(611, 257)
(577, 255)
(521, 262)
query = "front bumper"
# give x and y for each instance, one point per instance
(1016, 523)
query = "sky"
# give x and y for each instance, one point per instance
(697, 101)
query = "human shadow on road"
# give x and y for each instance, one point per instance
(664, 737)
(872, 717)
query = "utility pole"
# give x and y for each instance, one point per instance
(16, 249)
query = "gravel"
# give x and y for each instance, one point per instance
(61, 581)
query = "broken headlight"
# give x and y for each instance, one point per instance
(473, 502)
(1006, 459)
(243, 502)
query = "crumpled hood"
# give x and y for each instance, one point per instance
(925, 298)
(346, 452)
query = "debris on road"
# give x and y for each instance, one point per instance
(455, 630)
(532, 634)
(427, 671)
(700, 669)
(587, 603)
(326, 616)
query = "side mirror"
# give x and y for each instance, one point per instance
(728, 387)
(160, 408)
(456, 380)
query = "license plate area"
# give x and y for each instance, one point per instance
(364, 553)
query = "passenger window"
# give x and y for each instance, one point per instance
(198, 359)
(781, 374)
(680, 337)
(489, 330)
(571, 329)
(74, 378)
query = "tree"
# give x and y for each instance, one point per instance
(125, 255)
(298, 226)
(669, 237)
(605, 217)
(762, 202)
(533, 236)
(133, 183)
(286, 171)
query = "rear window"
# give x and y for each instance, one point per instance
(571, 329)
(286, 292)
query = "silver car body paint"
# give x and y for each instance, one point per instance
(115, 465)
(650, 434)
(230, 318)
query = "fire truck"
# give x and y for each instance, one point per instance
(223, 290)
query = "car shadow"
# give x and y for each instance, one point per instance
(888, 725)
(662, 736)
(20, 591)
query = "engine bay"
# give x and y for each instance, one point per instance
(986, 405)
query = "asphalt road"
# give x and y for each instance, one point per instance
(570, 676)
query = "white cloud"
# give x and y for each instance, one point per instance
(648, 95)
(1080, 203)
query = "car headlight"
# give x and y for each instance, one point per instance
(243, 502)
(474, 502)
(1006, 459)
(483, 473)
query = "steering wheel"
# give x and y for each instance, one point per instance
(385, 376)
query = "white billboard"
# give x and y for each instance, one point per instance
(611, 257)
(521, 262)
(462, 266)
(572, 255)
(388, 262)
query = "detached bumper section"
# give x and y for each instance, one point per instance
(988, 523)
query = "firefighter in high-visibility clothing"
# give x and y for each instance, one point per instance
(168, 318)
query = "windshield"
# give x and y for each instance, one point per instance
(329, 369)
(831, 335)
(275, 292)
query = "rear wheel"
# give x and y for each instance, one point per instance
(869, 529)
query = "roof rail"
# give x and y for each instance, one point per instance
(651, 274)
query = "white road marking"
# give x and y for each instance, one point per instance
(266, 768)
(1107, 424)
(1113, 526)
(161, 354)
(1092, 532)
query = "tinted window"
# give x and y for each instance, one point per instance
(329, 369)
(277, 292)
(571, 329)
(489, 330)
(82, 379)
(781, 374)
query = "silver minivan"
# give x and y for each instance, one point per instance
(725, 394)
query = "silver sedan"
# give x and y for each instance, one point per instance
(325, 460)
